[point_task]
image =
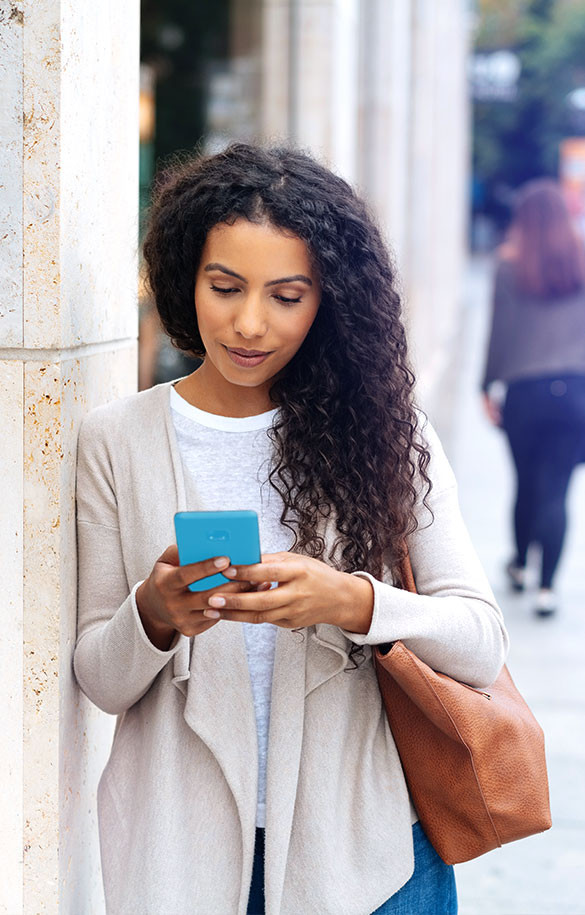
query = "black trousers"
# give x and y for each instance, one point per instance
(544, 419)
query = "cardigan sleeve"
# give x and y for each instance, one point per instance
(454, 623)
(114, 660)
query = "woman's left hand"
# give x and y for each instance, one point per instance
(309, 592)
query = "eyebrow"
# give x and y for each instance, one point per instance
(283, 279)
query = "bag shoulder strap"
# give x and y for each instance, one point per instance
(406, 575)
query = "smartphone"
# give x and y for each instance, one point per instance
(202, 535)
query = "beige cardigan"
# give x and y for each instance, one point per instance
(177, 799)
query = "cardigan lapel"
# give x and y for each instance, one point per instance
(303, 661)
(212, 672)
(219, 707)
(285, 740)
(327, 651)
(300, 658)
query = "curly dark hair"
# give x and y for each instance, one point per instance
(346, 432)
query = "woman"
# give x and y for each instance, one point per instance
(203, 807)
(537, 347)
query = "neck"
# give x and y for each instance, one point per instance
(206, 389)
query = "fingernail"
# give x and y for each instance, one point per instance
(216, 602)
(212, 614)
(230, 572)
(221, 562)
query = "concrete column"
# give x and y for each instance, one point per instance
(413, 167)
(310, 77)
(68, 327)
(275, 69)
(378, 89)
(385, 110)
(436, 209)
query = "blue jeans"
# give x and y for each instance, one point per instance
(430, 891)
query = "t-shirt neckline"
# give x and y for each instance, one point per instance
(223, 423)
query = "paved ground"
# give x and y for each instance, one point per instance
(545, 873)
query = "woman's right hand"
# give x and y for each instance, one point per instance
(167, 606)
(492, 410)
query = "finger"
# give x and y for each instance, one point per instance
(170, 555)
(191, 602)
(263, 586)
(196, 601)
(255, 601)
(263, 571)
(195, 571)
(280, 616)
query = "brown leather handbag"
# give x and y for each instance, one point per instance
(474, 760)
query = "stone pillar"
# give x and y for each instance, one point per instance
(385, 111)
(378, 89)
(275, 68)
(310, 77)
(68, 328)
(413, 154)
(435, 247)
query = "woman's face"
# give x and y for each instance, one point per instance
(255, 290)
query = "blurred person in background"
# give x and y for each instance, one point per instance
(537, 347)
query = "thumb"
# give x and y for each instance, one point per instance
(170, 555)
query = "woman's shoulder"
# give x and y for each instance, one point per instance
(425, 431)
(439, 468)
(125, 416)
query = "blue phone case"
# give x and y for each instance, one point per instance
(201, 535)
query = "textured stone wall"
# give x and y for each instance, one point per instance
(310, 76)
(68, 326)
(436, 247)
(414, 169)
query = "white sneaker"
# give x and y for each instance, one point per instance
(546, 602)
(516, 576)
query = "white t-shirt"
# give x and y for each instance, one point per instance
(228, 459)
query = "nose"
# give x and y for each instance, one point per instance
(250, 318)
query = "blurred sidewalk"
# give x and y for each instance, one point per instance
(544, 873)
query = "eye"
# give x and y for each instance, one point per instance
(221, 290)
(282, 298)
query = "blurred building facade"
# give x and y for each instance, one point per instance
(379, 89)
(376, 88)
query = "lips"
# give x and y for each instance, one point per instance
(247, 358)
(248, 352)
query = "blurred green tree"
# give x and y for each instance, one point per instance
(516, 140)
